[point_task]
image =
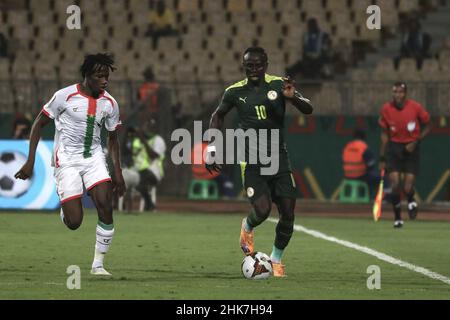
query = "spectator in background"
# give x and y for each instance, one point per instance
(359, 162)
(148, 92)
(199, 172)
(148, 152)
(21, 128)
(3, 46)
(316, 45)
(161, 23)
(415, 43)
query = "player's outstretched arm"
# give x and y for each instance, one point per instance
(292, 95)
(36, 131)
(114, 151)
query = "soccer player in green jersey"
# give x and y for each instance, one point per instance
(260, 100)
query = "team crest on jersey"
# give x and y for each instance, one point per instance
(272, 95)
(411, 126)
(250, 192)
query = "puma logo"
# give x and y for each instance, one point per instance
(243, 99)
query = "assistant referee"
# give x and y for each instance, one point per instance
(401, 121)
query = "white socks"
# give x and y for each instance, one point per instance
(104, 234)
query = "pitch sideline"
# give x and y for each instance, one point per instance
(372, 252)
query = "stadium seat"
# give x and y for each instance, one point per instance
(17, 18)
(385, 5)
(115, 7)
(430, 70)
(406, 6)
(212, 6)
(237, 6)
(21, 69)
(407, 70)
(203, 190)
(328, 100)
(291, 18)
(385, 71)
(187, 6)
(23, 33)
(340, 17)
(40, 7)
(354, 191)
(313, 8)
(262, 6)
(360, 75)
(338, 5)
(44, 71)
(7, 100)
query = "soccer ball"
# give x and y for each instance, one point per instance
(257, 266)
(10, 163)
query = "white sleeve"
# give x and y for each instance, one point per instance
(113, 118)
(159, 146)
(52, 108)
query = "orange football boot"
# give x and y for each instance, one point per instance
(278, 270)
(246, 239)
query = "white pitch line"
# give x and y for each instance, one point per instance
(372, 252)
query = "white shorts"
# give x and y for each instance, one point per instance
(89, 172)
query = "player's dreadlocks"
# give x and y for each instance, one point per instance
(257, 50)
(92, 62)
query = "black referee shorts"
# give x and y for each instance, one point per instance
(400, 160)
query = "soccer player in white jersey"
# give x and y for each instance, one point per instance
(79, 112)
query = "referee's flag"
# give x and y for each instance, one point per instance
(376, 211)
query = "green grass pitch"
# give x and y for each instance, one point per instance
(196, 256)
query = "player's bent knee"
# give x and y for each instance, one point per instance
(72, 224)
(262, 211)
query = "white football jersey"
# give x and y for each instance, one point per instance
(78, 123)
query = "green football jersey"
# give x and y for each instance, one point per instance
(258, 107)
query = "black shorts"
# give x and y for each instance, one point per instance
(280, 185)
(400, 160)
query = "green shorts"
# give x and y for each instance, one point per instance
(280, 185)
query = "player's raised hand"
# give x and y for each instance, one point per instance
(213, 167)
(288, 87)
(25, 172)
(210, 165)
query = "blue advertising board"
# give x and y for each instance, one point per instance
(36, 193)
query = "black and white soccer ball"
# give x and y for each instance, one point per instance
(10, 163)
(257, 266)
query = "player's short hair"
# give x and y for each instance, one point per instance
(93, 61)
(401, 84)
(257, 50)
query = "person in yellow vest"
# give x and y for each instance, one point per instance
(148, 150)
(161, 23)
(359, 161)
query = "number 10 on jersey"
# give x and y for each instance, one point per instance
(261, 112)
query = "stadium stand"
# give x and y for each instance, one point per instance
(205, 57)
